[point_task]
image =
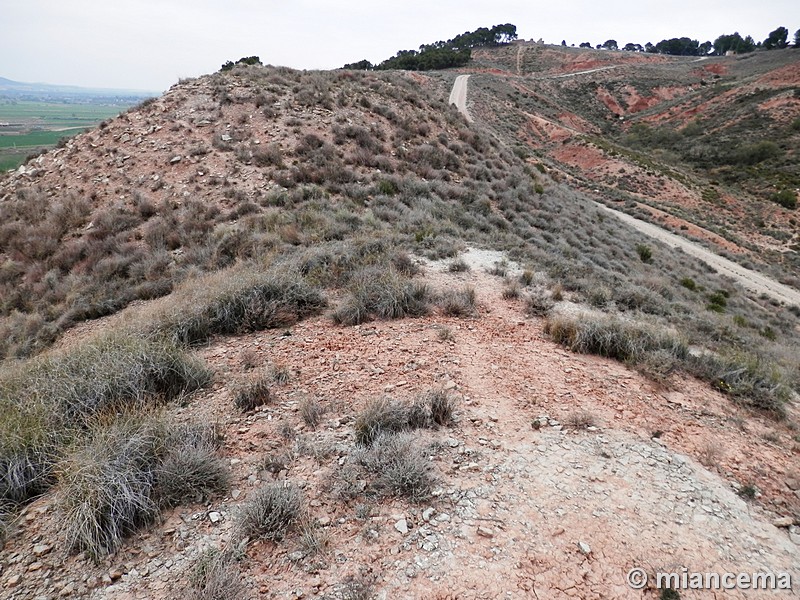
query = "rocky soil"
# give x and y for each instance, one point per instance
(561, 473)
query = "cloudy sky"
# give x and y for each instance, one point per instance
(150, 44)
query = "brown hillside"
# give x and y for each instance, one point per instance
(292, 334)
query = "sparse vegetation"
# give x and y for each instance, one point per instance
(384, 415)
(256, 235)
(612, 337)
(384, 294)
(215, 576)
(457, 303)
(254, 392)
(311, 410)
(399, 465)
(272, 511)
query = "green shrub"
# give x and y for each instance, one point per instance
(689, 283)
(717, 301)
(387, 187)
(786, 198)
(645, 253)
(271, 512)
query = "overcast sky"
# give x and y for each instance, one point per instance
(150, 44)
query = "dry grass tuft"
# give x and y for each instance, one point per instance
(271, 512)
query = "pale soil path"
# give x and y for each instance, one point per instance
(459, 96)
(580, 72)
(750, 280)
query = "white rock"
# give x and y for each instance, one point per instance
(584, 548)
(401, 526)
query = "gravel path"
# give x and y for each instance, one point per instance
(459, 96)
(750, 280)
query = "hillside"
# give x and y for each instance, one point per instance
(681, 141)
(314, 334)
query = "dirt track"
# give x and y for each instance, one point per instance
(459, 96)
(750, 280)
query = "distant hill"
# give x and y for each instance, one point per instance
(29, 91)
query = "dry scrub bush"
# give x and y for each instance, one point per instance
(107, 486)
(383, 293)
(215, 576)
(383, 415)
(191, 470)
(398, 464)
(238, 300)
(253, 392)
(125, 471)
(271, 511)
(457, 303)
(50, 400)
(311, 410)
(612, 337)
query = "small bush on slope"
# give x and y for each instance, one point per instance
(238, 300)
(119, 477)
(215, 576)
(271, 511)
(612, 337)
(381, 292)
(754, 381)
(399, 465)
(384, 415)
(50, 400)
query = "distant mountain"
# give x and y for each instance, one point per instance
(9, 87)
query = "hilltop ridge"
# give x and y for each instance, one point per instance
(359, 347)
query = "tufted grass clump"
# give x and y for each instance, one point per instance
(612, 337)
(237, 300)
(50, 401)
(119, 477)
(378, 292)
(271, 512)
(215, 576)
(384, 415)
(398, 464)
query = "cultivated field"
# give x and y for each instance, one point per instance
(29, 127)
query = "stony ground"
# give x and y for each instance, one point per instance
(561, 473)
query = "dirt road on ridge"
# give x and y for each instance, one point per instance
(752, 281)
(459, 96)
